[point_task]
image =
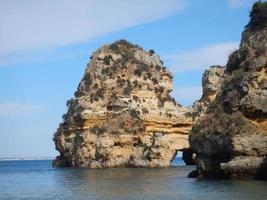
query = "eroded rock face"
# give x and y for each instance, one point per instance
(231, 139)
(122, 114)
(211, 86)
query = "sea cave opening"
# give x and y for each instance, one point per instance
(183, 157)
(177, 159)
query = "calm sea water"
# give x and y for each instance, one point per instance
(38, 180)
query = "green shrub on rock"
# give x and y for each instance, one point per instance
(221, 123)
(106, 60)
(151, 52)
(258, 15)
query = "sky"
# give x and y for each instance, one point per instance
(46, 44)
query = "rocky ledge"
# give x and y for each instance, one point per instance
(122, 114)
(230, 141)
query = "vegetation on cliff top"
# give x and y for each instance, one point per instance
(258, 15)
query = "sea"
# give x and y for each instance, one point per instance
(36, 179)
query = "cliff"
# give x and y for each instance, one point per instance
(122, 114)
(230, 141)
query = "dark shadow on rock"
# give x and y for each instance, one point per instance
(193, 174)
(188, 156)
(262, 171)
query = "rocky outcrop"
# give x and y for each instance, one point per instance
(230, 141)
(211, 85)
(122, 114)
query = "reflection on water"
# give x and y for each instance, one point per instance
(37, 180)
(122, 183)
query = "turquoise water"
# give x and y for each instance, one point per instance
(38, 180)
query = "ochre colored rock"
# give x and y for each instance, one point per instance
(122, 114)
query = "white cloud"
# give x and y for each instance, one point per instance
(187, 95)
(235, 3)
(19, 109)
(29, 25)
(240, 3)
(200, 58)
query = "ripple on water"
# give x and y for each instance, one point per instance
(38, 180)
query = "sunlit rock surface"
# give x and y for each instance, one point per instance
(122, 114)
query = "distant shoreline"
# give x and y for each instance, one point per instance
(25, 158)
(38, 158)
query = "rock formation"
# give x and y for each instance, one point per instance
(211, 85)
(230, 141)
(122, 114)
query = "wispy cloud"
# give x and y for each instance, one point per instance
(40, 55)
(187, 95)
(19, 109)
(240, 3)
(201, 58)
(30, 25)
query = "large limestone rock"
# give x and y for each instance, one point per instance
(231, 139)
(122, 113)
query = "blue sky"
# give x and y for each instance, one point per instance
(45, 46)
